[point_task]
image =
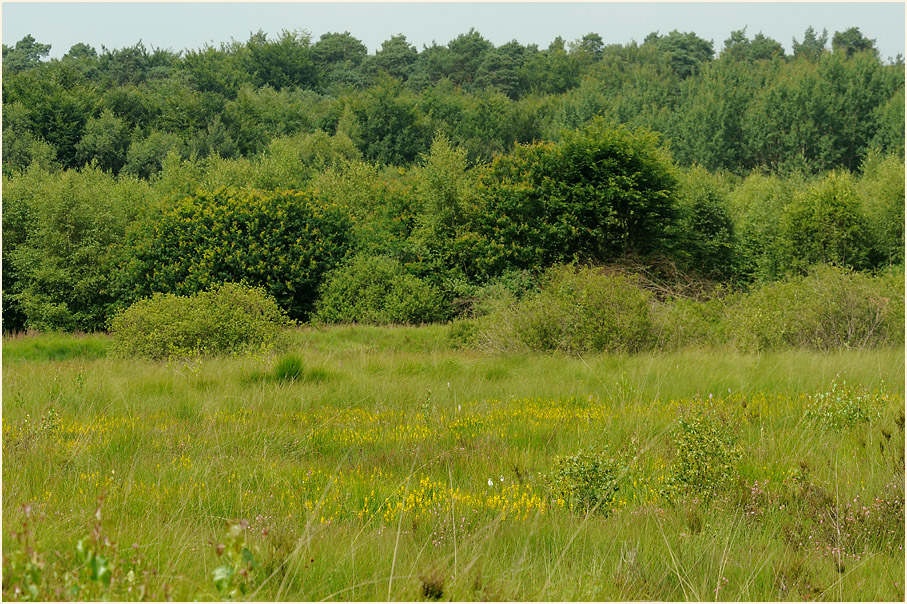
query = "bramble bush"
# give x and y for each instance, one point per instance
(229, 319)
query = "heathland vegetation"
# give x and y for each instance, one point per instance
(661, 298)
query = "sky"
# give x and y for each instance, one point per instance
(190, 25)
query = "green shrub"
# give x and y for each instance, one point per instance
(598, 194)
(823, 224)
(62, 241)
(831, 308)
(283, 241)
(462, 333)
(681, 322)
(706, 456)
(705, 242)
(881, 190)
(577, 311)
(586, 482)
(843, 406)
(378, 290)
(229, 319)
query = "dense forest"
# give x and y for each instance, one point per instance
(322, 172)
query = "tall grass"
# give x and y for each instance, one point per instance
(373, 483)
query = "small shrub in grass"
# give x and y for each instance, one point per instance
(288, 369)
(706, 457)
(843, 406)
(586, 481)
(462, 333)
(230, 319)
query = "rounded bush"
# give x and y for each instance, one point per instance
(229, 319)
(577, 310)
(284, 241)
(378, 290)
(830, 308)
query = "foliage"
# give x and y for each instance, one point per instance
(598, 194)
(830, 308)
(378, 290)
(881, 191)
(823, 224)
(843, 406)
(705, 456)
(705, 231)
(236, 576)
(587, 482)
(94, 569)
(577, 310)
(229, 319)
(66, 231)
(284, 241)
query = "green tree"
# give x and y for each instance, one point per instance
(881, 190)
(392, 130)
(852, 41)
(284, 63)
(396, 57)
(27, 53)
(216, 70)
(686, 51)
(705, 242)
(500, 69)
(812, 46)
(599, 194)
(337, 58)
(465, 54)
(145, 155)
(104, 142)
(66, 263)
(283, 241)
(760, 48)
(823, 224)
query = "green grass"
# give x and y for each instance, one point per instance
(54, 347)
(367, 478)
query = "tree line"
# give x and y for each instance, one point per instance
(750, 107)
(319, 227)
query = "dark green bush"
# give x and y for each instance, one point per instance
(578, 310)
(228, 319)
(283, 241)
(598, 194)
(379, 290)
(830, 308)
(705, 242)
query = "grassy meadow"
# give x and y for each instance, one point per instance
(383, 464)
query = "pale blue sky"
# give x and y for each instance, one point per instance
(182, 25)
